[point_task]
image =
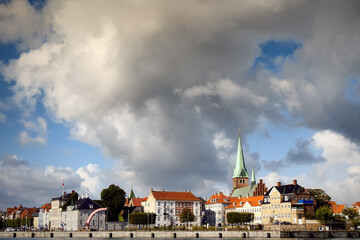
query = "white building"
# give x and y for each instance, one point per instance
(248, 205)
(168, 206)
(44, 216)
(215, 208)
(75, 216)
(56, 209)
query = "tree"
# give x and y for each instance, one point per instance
(187, 215)
(322, 199)
(324, 214)
(350, 212)
(113, 198)
(239, 218)
(142, 218)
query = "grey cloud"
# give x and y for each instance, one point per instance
(119, 73)
(32, 185)
(300, 155)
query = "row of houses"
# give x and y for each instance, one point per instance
(284, 203)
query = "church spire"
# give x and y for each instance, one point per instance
(253, 180)
(240, 169)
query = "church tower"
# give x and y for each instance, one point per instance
(240, 177)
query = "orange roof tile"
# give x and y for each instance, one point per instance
(253, 201)
(220, 198)
(180, 196)
(338, 208)
(144, 199)
(136, 202)
(356, 204)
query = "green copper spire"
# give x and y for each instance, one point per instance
(240, 169)
(253, 180)
(132, 195)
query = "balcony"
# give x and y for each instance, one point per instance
(306, 201)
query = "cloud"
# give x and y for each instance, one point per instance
(151, 86)
(2, 118)
(302, 154)
(38, 128)
(30, 185)
(21, 23)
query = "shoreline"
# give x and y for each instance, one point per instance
(183, 234)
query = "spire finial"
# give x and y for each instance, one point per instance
(239, 131)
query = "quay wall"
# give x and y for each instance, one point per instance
(184, 234)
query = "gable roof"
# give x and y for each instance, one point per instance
(220, 198)
(244, 191)
(136, 202)
(337, 209)
(253, 201)
(357, 204)
(287, 189)
(84, 203)
(46, 207)
(180, 196)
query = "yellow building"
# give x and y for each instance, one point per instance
(286, 203)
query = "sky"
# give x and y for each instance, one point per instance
(151, 94)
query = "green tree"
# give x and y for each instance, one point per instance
(350, 212)
(187, 215)
(324, 214)
(322, 199)
(113, 198)
(239, 218)
(142, 218)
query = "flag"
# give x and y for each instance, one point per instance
(63, 182)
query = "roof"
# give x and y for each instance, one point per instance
(180, 196)
(65, 196)
(244, 191)
(240, 202)
(46, 207)
(136, 202)
(220, 198)
(357, 204)
(240, 169)
(85, 203)
(337, 209)
(287, 189)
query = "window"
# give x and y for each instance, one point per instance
(91, 206)
(158, 210)
(164, 204)
(158, 203)
(196, 204)
(93, 222)
(80, 222)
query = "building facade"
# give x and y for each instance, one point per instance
(168, 206)
(287, 203)
(247, 205)
(75, 216)
(215, 209)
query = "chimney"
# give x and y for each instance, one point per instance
(87, 195)
(73, 191)
(261, 181)
(278, 184)
(295, 182)
(163, 190)
(151, 189)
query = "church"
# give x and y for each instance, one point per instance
(242, 185)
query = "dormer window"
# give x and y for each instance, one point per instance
(234, 204)
(91, 206)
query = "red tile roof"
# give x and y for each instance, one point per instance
(337, 209)
(253, 201)
(46, 207)
(136, 202)
(180, 196)
(220, 198)
(357, 204)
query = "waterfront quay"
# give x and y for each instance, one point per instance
(184, 234)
